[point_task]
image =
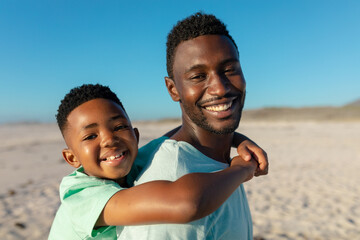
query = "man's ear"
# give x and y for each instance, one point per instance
(70, 158)
(137, 134)
(170, 85)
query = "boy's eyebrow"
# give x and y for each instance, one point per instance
(92, 125)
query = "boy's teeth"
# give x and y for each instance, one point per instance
(219, 108)
(113, 157)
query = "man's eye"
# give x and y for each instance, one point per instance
(90, 137)
(230, 71)
(198, 77)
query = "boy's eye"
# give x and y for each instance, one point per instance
(90, 137)
(120, 127)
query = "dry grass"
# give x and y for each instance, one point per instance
(347, 113)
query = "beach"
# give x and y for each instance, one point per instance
(311, 192)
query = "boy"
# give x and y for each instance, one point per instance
(102, 145)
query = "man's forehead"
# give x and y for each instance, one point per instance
(197, 50)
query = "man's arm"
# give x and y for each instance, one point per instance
(191, 197)
(248, 149)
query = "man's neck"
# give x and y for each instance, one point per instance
(215, 146)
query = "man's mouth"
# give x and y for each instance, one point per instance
(219, 107)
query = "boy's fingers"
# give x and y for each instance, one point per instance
(248, 150)
(260, 172)
(244, 152)
(262, 158)
(263, 169)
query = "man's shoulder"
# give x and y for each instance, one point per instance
(171, 145)
(161, 163)
(146, 152)
(173, 159)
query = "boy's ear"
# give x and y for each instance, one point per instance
(137, 134)
(170, 85)
(70, 158)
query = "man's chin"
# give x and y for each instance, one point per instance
(220, 130)
(224, 131)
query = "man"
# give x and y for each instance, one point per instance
(206, 78)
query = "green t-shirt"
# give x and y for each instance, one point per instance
(84, 197)
(82, 200)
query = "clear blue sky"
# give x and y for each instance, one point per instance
(293, 53)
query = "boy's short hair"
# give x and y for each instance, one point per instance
(196, 25)
(80, 95)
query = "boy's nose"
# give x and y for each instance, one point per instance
(108, 139)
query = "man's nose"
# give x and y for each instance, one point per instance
(218, 85)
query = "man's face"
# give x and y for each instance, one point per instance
(101, 139)
(209, 83)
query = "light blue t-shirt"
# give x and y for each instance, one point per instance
(173, 160)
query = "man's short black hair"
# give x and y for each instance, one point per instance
(196, 25)
(80, 95)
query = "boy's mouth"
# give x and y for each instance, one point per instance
(113, 157)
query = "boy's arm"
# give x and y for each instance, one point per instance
(191, 197)
(248, 149)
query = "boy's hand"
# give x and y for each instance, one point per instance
(248, 150)
(249, 165)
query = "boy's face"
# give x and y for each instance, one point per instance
(100, 137)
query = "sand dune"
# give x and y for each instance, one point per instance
(311, 192)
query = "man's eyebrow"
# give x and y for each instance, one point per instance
(195, 67)
(200, 66)
(230, 60)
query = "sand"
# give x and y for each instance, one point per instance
(311, 192)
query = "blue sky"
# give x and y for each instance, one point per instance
(293, 53)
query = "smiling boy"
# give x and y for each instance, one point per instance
(102, 145)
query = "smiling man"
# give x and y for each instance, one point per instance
(205, 77)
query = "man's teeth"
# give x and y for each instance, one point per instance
(113, 157)
(219, 107)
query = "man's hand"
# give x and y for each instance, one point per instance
(249, 150)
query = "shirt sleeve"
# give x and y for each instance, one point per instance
(83, 198)
(144, 157)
